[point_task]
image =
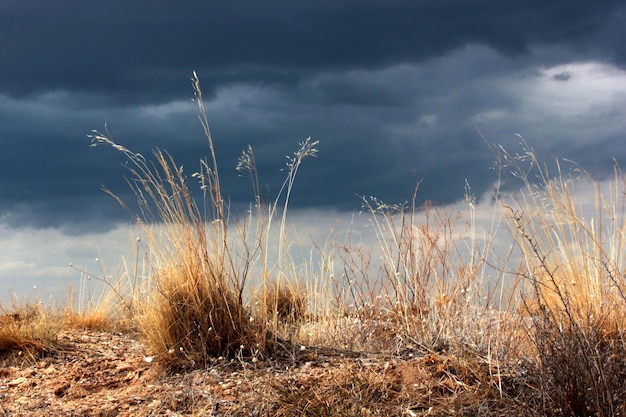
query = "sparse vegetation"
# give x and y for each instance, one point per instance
(28, 330)
(575, 300)
(440, 321)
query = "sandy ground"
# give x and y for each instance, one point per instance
(112, 374)
(107, 374)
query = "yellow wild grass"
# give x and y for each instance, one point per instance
(433, 279)
(194, 302)
(96, 307)
(572, 248)
(212, 287)
(28, 329)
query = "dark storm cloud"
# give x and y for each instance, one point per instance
(393, 90)
(143, 50)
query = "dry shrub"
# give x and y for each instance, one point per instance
(435, 385)
(192, 319)
(583, 367)
(286, 301)
(576, 294)
(190, 306)
(28, 330)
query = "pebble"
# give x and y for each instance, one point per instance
(49, 370)
(19, 382)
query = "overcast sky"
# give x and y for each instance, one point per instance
(395, 92)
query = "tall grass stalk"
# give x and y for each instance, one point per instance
(279, 284)
(433, 268)
(572, 246)
(28, 329)
(196, 307)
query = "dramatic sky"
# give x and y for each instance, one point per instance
(395, 91)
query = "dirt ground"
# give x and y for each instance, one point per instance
(112, 374)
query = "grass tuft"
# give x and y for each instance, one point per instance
(28, 330)
(575, 298)
(287, 301)
(434, 320)
(194, 304)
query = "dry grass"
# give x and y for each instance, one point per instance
(286, 300)
(99, 308)
(574, 269)
(433, 280)
(429, 324)
(193, 304)
(431, 385)
(28, 330)
(94, 321)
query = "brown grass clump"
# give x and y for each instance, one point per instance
(192, 306)
(432, 385)
(287, 301)
(191, 319)
(451, 330)
(28, 330)
(575, 295)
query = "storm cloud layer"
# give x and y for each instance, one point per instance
(395, 91)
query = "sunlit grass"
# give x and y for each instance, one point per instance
(28, 329)
(537, 323)
(573, 267)
(201, 264)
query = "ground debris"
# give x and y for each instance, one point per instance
(112, 374)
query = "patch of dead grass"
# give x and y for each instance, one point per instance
(28, 330)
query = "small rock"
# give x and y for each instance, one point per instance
(60, 390)
(19, 382)
(23, 400)
(124, 366)
(49, 370)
